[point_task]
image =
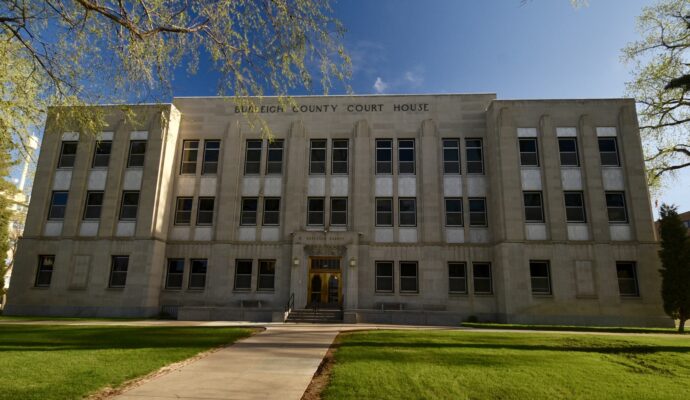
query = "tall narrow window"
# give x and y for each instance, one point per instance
(481, 274)
(339, 211)
(44, 273)
(451, 156)
(529, 153)
(534, 210)
(574, 207)
(68, 153)
(118, 271)
(384, 211)
(315, 211)
(211, 155)
(183, 211)
(271, 211)
(608, 152)
(384, 156)
(615, 206)
(274, 162)
(339, 158)
(137, 153)
(129, 206)
(453, 212)
(101, 154)
(249, 210)
(267, 273)
(190, 152)
(252, 158)
(457, 277)
(243, 275)
(205, 207)
(406, 156)
(407, 212)
(567, 147)
(474, 156)
(94, 203)
(173, 279)
(58, 205)
(384, 276)
(540, 277)
(197, 273)
(627, 279)
(478, 211)
(408, 277)
(317, 156)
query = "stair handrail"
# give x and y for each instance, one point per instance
(290, 303)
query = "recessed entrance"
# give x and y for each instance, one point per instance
(325, 281)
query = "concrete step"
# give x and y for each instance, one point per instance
(318, 316)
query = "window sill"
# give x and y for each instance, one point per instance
(384, 293)
(409, 293)
(483, 294)
(115, 288)
(630, 297)
(458, 294)
(195, 290)
(247, 290)
(542, 295)
(267, 291)
(40, 287)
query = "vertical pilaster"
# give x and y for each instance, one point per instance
(230, 190)
(591, 163)
(77, 188)
(431, 204)
(295, 179)
(552, 185)
(363, 180)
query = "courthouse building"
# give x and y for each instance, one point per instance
(425, 209)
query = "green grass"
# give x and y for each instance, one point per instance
(70, 362)
(491, 325)
(13, 318)
(504, 365)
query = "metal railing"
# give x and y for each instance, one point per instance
(291, 303)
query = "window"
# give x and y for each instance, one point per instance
(101, 154)
(249, 209)
(384, 156)
(608, 152)
(615, 206)
(540, 277)
(478, 211)
(406, 156)
(315, 211)
(267, 273)
(408, 277)
(118, 271)
(274, 162)
(567, 148)
(197, 273)
(68, 153)
(453, 212)
(474, 156)
(574, 207)
(211, 153)
(183, 211)
(190, 151)
(94, 203)
(339, 159)
(627, 279)
(204, 213)
(534, 211)
(339, 211)
(173, 279)
(529, 155)
(271, 211)
(384, 212)
(243, 274)
(481, 272)
(407, 212)
(58, 204)
(457, 277)
(384, 276)
(44, 273)
(252, 159)
(451, 156)
(317, 156)
(137, 153)
(130, 204)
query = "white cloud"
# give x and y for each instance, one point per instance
(414, 78)
(380, 86)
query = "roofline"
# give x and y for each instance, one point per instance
(344, 95)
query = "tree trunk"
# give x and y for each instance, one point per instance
(681, 325)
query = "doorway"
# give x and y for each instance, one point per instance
(325, 282)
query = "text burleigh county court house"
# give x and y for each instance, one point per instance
(424, 209)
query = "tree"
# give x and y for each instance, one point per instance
(7, 190)
(675, 265)
(661, 85)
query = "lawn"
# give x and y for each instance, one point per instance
(481, 365)
(576, 328)
(70, 362)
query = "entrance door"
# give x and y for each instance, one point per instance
(325, 283)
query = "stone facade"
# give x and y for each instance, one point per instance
(440, 207)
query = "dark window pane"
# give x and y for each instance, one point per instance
(44, 273)
(190, 150)
(197, 273)
(252, 163)
(58, 205)
(627, 279)
(94, 203)
(477, 212)
(137, 153)
(175, 273)
(118, 271)
(340, 156)
(129, 206)
(339, 211)
(608, 152)
(243, 274)
(249, 210)
(211, 155)
(315, 211)
(615, 204)
(275, 157)
(474, 156)
(384, 276)
(407, 212)
(267, 270)
(482, 278)
(317, 157)
(271, 211)
(101, 156)
(384, 156)
(205, 211)
(68, 153)
(406, 157)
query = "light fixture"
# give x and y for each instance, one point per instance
(353, 262)
(295, 261)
